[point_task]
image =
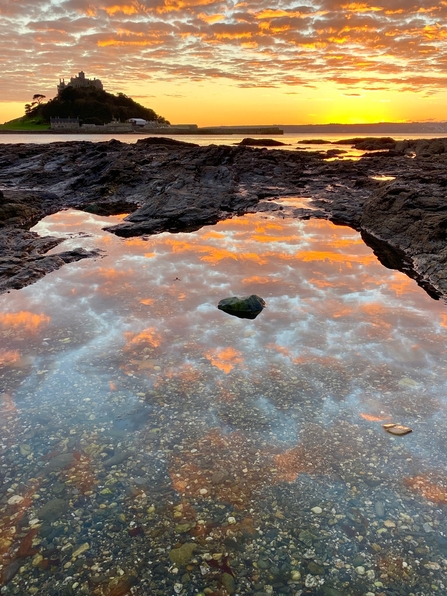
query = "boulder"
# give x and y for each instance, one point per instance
(246, 307)
(262, 142)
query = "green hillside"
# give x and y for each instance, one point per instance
(25, 123)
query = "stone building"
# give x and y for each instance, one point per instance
(78, 82)
(65, 124)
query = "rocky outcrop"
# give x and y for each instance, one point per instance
(413, 221)
(261, 142)
(23, 258)
(396, 200)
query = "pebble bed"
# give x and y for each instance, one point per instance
(154, 445)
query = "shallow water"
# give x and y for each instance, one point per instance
(137, 418)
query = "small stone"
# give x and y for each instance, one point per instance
(433, 566)
(182, 555)
(379, 508)
(295, 575)
(311, 581)
(15, 500)
(397, 429)
(389, 523)
(81, 549)
(231, 520)
(317, 510)
(360, 570)
(106, 492)
(25, 449)
(427, 527)
(184, 527)
(315, 569)
(228, 583)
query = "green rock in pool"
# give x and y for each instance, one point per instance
(228, 583)
(182, 555)
(52, 510)
(246, 307)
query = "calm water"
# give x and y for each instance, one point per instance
(153, 444)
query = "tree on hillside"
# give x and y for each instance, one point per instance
(38, 98)
(31, 109)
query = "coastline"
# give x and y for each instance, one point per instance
(179, 187)
(218, 131)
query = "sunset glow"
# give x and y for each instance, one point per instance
(218, 62)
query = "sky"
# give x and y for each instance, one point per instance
(214, 62)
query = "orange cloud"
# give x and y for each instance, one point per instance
(24, 321)
(224, 359)
(432, 491)
(7, 358)
(372, 418)
(124, 42)
(256, 279)
(178, 5)
(147, 336)
(127, 9)
(211, 18)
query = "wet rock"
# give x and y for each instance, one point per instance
(245, 307)
(262, 142)
(166, 141)
(182, 555)
(379, 508)
(228, 583)
(118, 458)
(370, 143)
(10, 571)
(52, 510)
(397, 429)
(59, 462)
(314, 142)
(315, 568)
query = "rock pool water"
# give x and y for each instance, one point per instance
(152, 444)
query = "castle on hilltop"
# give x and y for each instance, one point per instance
(78, 82)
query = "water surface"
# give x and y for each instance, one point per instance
(151, 442)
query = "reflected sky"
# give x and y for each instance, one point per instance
(133, 341)
(334, 317)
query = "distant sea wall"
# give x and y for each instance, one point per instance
(89, 129)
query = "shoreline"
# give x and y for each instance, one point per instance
(211, 131)
(181, 187)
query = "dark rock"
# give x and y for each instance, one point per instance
(314, 142)
(262, 142)
(315, 568)
(369, 143)
(165, 141)
(59, 462)
(118, 458)
(10, 571)
(247, 307)
(228, 583)
(52, 510)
